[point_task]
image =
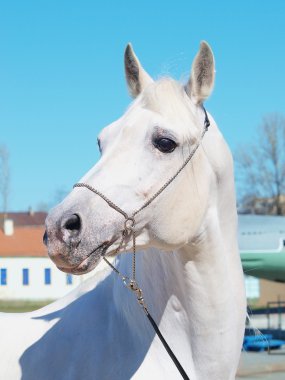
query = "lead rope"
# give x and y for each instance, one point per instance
(130, 232)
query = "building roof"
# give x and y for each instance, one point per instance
(25, 242)
(261, 232)
(28, 218)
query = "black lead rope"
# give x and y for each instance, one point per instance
(129, 231)
(167, 348)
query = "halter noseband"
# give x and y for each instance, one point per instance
(129, 231)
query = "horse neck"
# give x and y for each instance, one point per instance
(203, 271)
(196, 291)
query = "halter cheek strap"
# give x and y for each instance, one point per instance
(129, 232)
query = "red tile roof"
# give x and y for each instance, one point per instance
(25, 218)
(25, 242)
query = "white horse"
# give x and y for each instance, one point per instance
(188, 264)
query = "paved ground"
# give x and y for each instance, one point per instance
(262, 366)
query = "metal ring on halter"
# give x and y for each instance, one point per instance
(129, 223)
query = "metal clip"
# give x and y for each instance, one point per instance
(133, 285)
(139, 294)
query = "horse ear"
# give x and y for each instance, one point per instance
(137, 77)
(201, 82)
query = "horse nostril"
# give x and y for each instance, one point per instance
(45, 238)
(73, 223)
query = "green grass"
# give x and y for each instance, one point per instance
(21, 306)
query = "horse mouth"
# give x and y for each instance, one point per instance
(89, 262)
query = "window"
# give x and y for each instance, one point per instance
(25, 276)
(47, 276)
(252, 287)
(3, 276)
(69, 279)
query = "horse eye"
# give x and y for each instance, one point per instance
(99, 145)
(164, 144)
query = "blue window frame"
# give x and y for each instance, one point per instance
(3, 276)
(25, 276)
(47, 276)
(69, 279)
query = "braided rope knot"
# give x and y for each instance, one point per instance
(129, 224)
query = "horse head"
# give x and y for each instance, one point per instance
(139, 152)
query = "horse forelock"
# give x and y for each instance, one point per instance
(168, 98)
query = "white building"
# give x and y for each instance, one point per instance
(26, 271)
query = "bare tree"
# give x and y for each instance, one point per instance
(261, 166)
(59, 194)
(4, 177)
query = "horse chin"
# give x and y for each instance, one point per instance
(89, 262)
(87, 265)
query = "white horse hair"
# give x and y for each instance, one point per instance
(188, 265)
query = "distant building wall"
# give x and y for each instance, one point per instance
(271, 291)
(34, 278)
(259, 292)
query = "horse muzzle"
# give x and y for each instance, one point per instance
(71, 244)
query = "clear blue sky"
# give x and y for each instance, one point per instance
(62, 79)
